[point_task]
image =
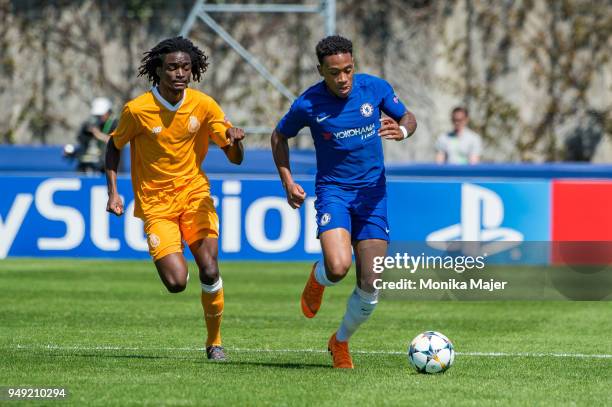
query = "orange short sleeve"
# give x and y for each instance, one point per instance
(127, 128)
(217, 124)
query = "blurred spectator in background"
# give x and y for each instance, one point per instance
(582, 143)
(462, 145)
(93, 136)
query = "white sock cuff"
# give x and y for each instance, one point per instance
(369, 298)
(213, 288)
(321, 275)
(358, 309)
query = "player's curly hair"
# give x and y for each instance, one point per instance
(155, 57)
(332, 45)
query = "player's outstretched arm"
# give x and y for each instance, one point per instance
(280, 152)
(114, 205)
(234, 151)
(392, 130)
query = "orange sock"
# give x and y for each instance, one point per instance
(212, 303)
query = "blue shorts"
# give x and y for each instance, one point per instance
(362, 212)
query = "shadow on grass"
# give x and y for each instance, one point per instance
(99, 355)
(282, 365)
(229, 362)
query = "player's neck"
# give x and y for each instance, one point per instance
(333, 94)
(170, 95)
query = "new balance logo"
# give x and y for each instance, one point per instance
(482, 213)
(156, 130)
(321, 119)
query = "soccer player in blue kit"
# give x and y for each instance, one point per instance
(344, 113)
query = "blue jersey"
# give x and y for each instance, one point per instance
(345, 130)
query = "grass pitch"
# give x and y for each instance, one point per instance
(110, 334)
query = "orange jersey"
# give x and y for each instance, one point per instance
(168, 144)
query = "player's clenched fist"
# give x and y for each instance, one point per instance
(115, 205)
(390, 129)
(295, 195)
(234, 134)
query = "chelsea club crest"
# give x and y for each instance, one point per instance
(366, 110)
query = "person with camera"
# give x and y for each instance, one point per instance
(93, 136)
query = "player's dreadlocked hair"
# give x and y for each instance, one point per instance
(154, 58)
(332, 45)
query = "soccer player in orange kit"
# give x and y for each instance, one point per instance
(169, 128)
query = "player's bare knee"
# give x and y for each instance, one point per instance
(209, 273)
(175, 286)
(175, 281)
(208, 276)
(337, 268)
(172, 270)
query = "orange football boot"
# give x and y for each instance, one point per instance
(312, 296)
(340, 353)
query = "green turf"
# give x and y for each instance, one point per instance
(109, 332)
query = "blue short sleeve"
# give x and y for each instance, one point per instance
(293, 121)
(390, 104)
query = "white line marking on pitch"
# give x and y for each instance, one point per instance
(361, 352)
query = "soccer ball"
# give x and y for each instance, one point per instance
(431, 352)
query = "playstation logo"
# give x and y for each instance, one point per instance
(479, 230)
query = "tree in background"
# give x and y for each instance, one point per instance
(533, 73)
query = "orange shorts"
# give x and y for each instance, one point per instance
(196, 221)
